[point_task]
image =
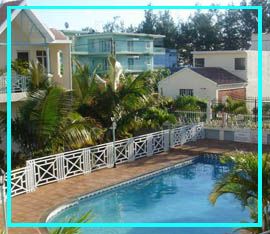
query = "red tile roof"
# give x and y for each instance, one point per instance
(3, 9)
(58, 34)
(218, 75)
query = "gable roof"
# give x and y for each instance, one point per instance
(3, 9)
(218, 75)
(52, 34)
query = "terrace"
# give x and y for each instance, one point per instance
(36, 206)
(19, 87)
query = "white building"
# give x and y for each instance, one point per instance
(238, 63)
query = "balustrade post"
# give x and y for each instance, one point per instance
(131, 154)
(166, 135)
(149, 143)
(110, 158)
(87, 161)
(30, 178)
(172, 142)
(60, 167)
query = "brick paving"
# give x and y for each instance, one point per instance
(35, 206)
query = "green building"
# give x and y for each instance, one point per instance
(135, 51)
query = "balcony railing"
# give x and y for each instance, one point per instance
(135, 68)
(159, 50)
(19, 83)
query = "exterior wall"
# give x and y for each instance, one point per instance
(265, 43)
(18, 35)
(224, 59)
(252, 73)
(88, 50)
(65, 80)
(167, 59)
(234, 93)
(187, 79)
(237, 135)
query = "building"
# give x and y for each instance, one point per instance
(265, 41)
(135, 51)
(32, 41)
(240, 64)
(208, 83)
(166, 59)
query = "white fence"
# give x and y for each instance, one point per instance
(61, 166)
(19, 83)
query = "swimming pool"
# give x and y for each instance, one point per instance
(176, 194)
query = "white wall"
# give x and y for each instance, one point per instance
(265, 43)
(187, 79)
(224, 59)
(252, 73)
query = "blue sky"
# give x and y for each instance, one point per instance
(95, 19)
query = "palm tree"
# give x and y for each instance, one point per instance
(47, 123)
(127, 98)
(242, 183)
(86, 218)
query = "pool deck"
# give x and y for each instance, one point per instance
(35, 206)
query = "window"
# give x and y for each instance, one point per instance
(42, 57)
(186, 92)
(60, 63)
(104, 46)
(240, 64)
(130, 45)
(148, 60)
(148, 45)
(130, 63)
(199, 62)
(92, 45)
(23, 56)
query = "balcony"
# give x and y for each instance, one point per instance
(137, 68)
(159, 50)
(18, 89)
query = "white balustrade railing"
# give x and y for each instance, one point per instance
(19, 83)
(61, 166)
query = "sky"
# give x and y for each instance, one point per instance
(78, 19)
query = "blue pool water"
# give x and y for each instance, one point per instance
(177, 195)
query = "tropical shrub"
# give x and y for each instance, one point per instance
(231, 106)
(86, 218)
(129, 99)
(242, 183)
(189, 103)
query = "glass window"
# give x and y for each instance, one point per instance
(130, 45)
(186, 92)
(130, 63)
(23, 56)
(240, 64)
(199, 62)
(42, 57)
(60, 63)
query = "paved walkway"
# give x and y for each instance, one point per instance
(34, 207)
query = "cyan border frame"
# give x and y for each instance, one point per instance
(106, 225)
